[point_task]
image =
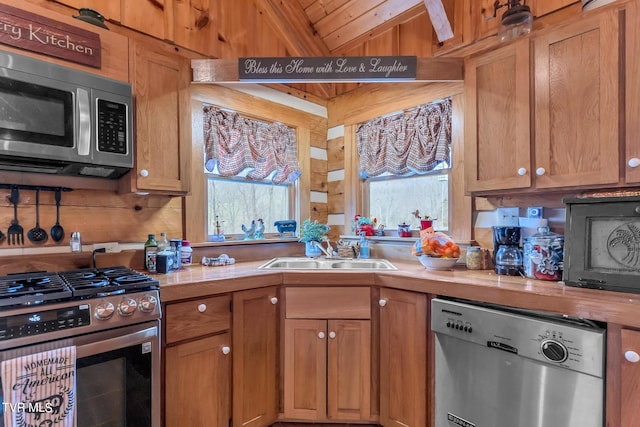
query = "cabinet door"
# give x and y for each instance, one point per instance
(255, 357)
(305, 369)
(403, 358)
(576, 103)
(349, 370)
(497, 123)
(198, 382)
(630, 374)
(147, 16)
(161, 88)
(632, 94)
(109, 9)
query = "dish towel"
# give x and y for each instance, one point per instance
(39, 389)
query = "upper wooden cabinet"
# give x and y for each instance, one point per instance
(632, 95)
(575, 100)
(163, 121)
(576, 103)
(497, 119)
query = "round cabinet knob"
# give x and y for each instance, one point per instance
(522, 171)
(382, 302)
(202, 308)
(274, 300)
(332, 335)
(144, 173)
(104, 310)
(147, 303)
(321, 335)
(127, 306)
(540, 171)
(632, 356)
(634, 162)
(226, 350)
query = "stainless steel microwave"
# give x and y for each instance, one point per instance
(60, 120)
(602, 243)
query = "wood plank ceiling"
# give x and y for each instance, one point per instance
(338, 23)
(342, 27)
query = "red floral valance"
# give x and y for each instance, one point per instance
(236, 144)
(412, 142)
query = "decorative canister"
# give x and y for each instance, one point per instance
(543, 255)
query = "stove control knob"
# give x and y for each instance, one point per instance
(104, 310)
(127, 307)
(147, 303)
(554, 351)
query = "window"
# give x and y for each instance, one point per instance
(251, 168)
(392, 199)
(238, 202)
(405, 161)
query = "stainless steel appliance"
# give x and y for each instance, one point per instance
(602, 243)
(112, 316)
(496, 366)
(60, 120)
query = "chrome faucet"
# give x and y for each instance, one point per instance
(328, 251)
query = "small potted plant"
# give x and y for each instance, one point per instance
(425, 221)
(365, 225)
(313, 231)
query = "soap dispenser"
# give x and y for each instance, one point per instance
(364, 246)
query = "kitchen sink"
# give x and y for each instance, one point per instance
(327, 264)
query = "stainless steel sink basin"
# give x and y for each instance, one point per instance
(327, 264)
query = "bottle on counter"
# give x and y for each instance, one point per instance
(186, 254)
(176, 248)
(150, 253)
(364, 246)
(163, 242)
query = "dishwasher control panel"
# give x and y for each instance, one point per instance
(544, 337)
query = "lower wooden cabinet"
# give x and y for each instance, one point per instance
(630, 377)
(403, 358)
(255, 357)
(197, 362)
(327, 354)
(198, 383)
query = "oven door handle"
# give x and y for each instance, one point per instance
(97, 345)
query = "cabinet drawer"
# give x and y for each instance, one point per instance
(191, 319)
(328, 303)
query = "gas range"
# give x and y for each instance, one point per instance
(41, 306)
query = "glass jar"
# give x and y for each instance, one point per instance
(474, 258)
(543, 255)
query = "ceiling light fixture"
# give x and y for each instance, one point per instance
(516, 20)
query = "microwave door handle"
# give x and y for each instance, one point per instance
(84, 122)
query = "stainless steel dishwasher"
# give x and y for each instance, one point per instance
(501, 367)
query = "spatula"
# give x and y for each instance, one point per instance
(37, 234)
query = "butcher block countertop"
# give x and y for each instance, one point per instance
(478, 285)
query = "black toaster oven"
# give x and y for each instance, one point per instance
(602, 243)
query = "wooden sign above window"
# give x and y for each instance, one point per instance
(320, 69)
(28, 31)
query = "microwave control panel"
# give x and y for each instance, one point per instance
(112, 127)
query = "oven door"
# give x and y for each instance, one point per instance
(117, 375)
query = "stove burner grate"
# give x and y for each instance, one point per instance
(32, 288)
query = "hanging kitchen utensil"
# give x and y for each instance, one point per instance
(2, 237)
(37, 234)
(57, 232)
(15, 232)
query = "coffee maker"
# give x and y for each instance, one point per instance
(507, 255)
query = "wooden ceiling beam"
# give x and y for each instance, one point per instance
(438, 69)
(295, 30)
(439, 19)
